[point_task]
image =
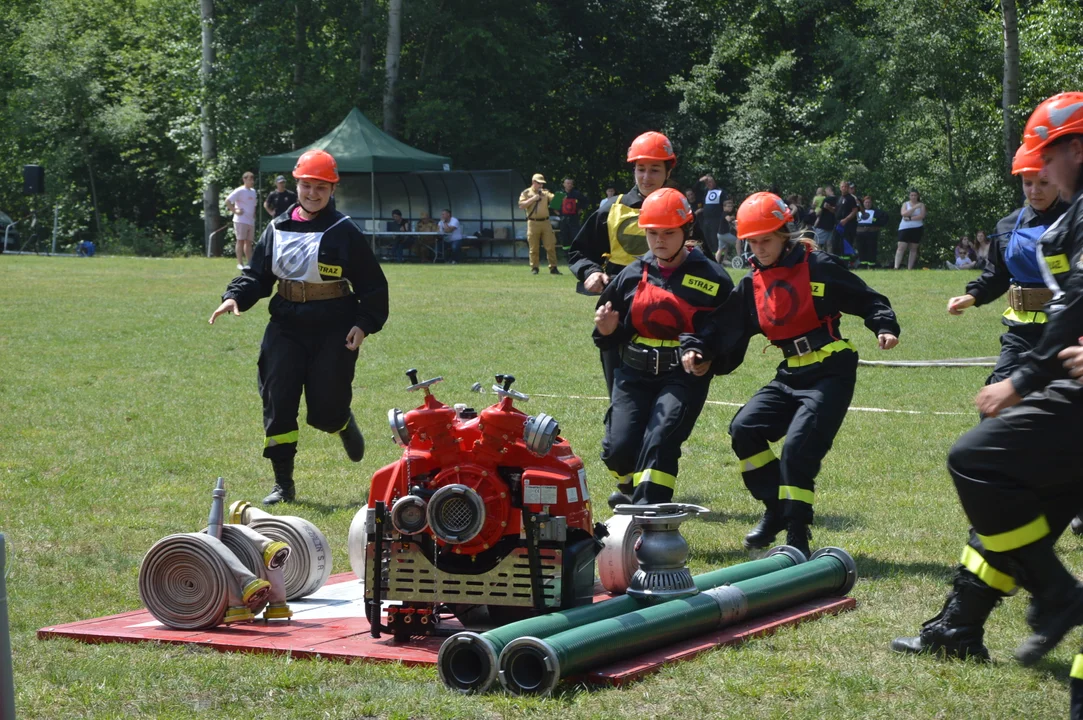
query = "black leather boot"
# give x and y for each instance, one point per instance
(1057, 596)
(798, 536)
(958, 631)
(770, 525)
(353, 440)
(283, 490)
(621, 496)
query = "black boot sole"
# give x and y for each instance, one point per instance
(916, 646)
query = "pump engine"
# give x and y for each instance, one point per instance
(483, 510)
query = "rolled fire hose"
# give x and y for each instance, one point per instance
(309, 564)
(468, 661)
(530, 665)
(357, 543)
(265, 558)
(192, 581)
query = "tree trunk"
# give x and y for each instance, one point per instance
(299, 51)
(365, 74)
(211, 218)
(1011, 78)
(94, 198)
(394, 50)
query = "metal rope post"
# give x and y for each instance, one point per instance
(7, 683)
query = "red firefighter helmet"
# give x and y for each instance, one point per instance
(665, 208)
(316, 165)
(1053, 118)
(653, 146)
(1026, 161)
(761, 213)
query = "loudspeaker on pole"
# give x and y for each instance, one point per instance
(33, 180)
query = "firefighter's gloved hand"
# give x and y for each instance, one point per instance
(606, 319)
(996, 397)
(694, 363)
(354, 338)
(226, 306)
(887, 341)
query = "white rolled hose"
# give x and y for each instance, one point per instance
(263, 557)
(193, 581)
(309, 565)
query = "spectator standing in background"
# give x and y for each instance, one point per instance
(281, 199)
(571, 206)
(242, 206)
(535, 201)
(846, 216)
(824, 227)
(870, 221)
(453, 234)
(710, 215)
(398, 224)
(910, 229)
(610, 193)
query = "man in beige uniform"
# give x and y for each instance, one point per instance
(535, 200)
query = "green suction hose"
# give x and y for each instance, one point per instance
(531, 665)
(468, 660)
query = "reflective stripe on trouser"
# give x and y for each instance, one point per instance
(809, 418)
(1075, 688)
(314, 362)
(973, 561)
(649, 418)
(541, 233)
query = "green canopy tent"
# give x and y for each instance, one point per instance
(361, 147)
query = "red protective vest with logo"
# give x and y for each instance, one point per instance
(659, 314)
(569, 206)
(784, 301)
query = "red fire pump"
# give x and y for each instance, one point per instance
(486, 510)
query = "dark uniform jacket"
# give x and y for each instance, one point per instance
(997, 278)
(728, 330)
(344, 254)
(698, 281)
(587, 254)
(1062, 248)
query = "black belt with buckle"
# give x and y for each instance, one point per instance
(651, 360)
(797, 347)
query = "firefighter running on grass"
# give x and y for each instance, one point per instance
(331, 296)
(1013, 266)
(1019, 473)
(794, 295)
(611, 238)
(654, 404)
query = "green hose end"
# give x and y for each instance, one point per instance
(467, 663)
(529, 666)
(847, 563)
(790, 551)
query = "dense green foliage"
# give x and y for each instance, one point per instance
(793, 93)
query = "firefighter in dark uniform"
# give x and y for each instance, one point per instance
(1019, 473)
(1013, 267)
(643, 311)
(331, 295)
(794, 295)
(611, 238)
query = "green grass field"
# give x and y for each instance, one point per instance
(119, 406)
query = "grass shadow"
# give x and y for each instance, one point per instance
(322, 508)
(872, 568)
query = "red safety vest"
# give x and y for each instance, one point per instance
(784, 301)
(659, 314)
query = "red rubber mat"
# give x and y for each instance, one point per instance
(331, 624)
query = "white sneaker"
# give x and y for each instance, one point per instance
(240, 267)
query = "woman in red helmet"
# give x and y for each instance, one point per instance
(1019, 473)
(331, 295)
(611, 238)
(641, 314)
(1013, 268)
(794, 295)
